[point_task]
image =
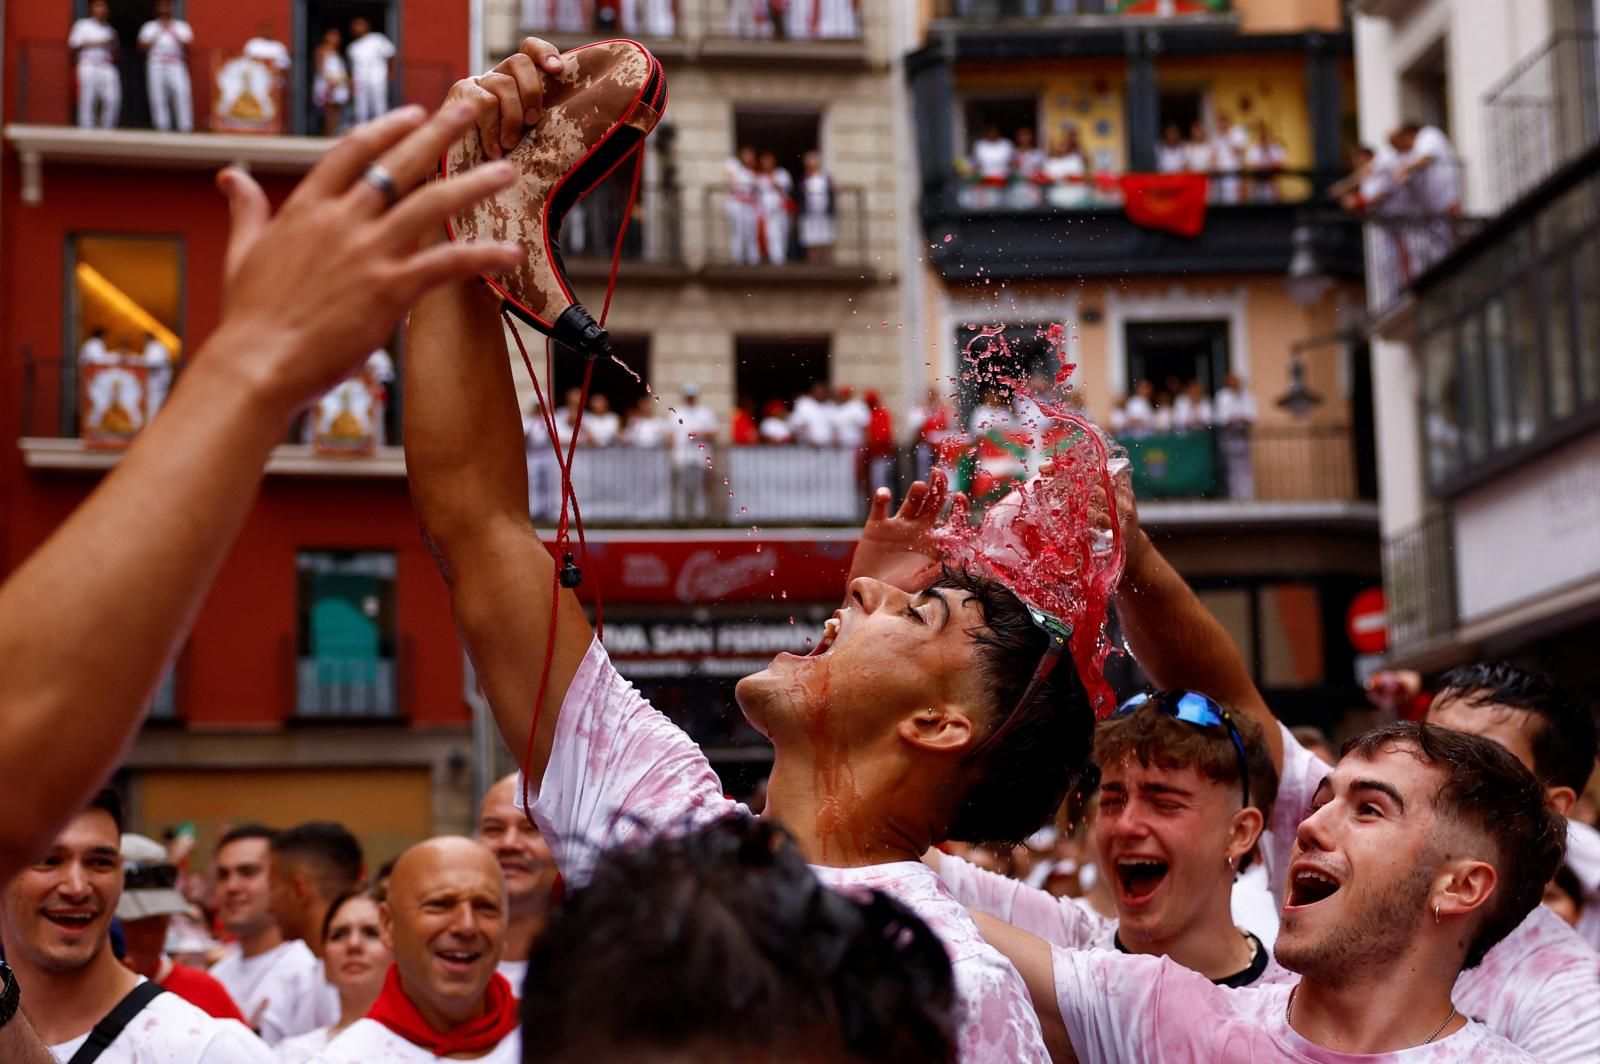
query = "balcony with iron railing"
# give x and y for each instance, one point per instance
(1269, 468)
(1419, 581)
(1071, 13)
(813, 32)
(243, 111)
(652, 246)
(330, 684)
(755, 244)
(83, 416)
(1543, 114)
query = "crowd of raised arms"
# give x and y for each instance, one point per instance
(951, 860)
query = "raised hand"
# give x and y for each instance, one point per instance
(311, 292)
(509, 98)
(899, 549)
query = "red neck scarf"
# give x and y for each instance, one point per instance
(395, 1011)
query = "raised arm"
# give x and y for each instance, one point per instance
(468, 471)
(90, 619)
(1032, 958)
(1177, 641)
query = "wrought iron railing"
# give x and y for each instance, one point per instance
(350, 687)
(991, 10)
(643, 19)
(1543, 113)
(762, 235)
(1420, 582)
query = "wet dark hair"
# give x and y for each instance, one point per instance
(1019, 782)
(109, 802)
(1563, 739)
(1494, 795)
(722, 944)
(326, 850)
(1155, 739)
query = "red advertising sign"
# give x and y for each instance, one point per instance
(809, 566)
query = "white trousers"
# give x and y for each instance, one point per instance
(744, 244)
(371, 98)
(777, 236)
(99, 95)
(170, 97)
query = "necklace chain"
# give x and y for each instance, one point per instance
(1288, 1015)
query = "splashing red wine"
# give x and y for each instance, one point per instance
(1048, 539)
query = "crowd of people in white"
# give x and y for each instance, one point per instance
(1245, 166)
(354, 76)
(793, 19)
(761, 201)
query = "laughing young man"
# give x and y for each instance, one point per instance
(1540, 986)
(887, 740)
(1423, 849)
(54, 918)
(1173, 831)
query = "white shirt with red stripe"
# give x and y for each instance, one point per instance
(166, 41)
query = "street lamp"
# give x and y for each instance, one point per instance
(1299, 400)
(1307, 282)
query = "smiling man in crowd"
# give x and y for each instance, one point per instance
(445, 919)
(54, 918)
(529, 869)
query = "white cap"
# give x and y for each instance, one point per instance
(141, 855)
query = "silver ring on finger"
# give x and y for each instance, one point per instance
(377, 175)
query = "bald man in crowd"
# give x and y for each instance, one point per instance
(445, 919)
(529, 869)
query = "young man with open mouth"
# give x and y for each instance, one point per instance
(917, 718)
(1423, 849)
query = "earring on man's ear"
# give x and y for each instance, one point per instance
(1435, 916)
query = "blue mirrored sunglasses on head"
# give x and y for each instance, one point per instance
(1192, 707)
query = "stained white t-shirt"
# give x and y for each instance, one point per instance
(169, 1030)
(1124, 1008)
(244, 977)
(297, 995)
(369, 56)
(1071, 923)
(1538, 987)
(166, 43)
(92, 39)
(303, 1047)
(370, 1042)
(619, 770)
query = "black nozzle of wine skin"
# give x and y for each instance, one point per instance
(576, 329)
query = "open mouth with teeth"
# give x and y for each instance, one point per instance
(1307, 886)
(830, 635)
(458, 959)
(70, 921)
(1139, 877)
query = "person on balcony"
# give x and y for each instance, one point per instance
(1235, 411)
(851, 419)
(993, 157)
(818, 212)
(165, 42)
(566, 417)
(644, 427)
(880, 441)
(1139, 412)
(742, 430)
(774, 427)
(601, 425)
(370, 53)
(1427, 161)
(694, 433)
(554, 16)
(836, 19)
(777, 205)
(1028, 162)
(992, 414)
(1199, 157)
(1264, 159)
(330, 89)
(542, 469)
(1191, 410)
(815, 417)
(93, 44)
(1172, 155)
(648, 18)
(1228, 149)
(743, 206)
(1066, 169)
(158, 372)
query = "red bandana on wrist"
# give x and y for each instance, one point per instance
(395, 1011)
